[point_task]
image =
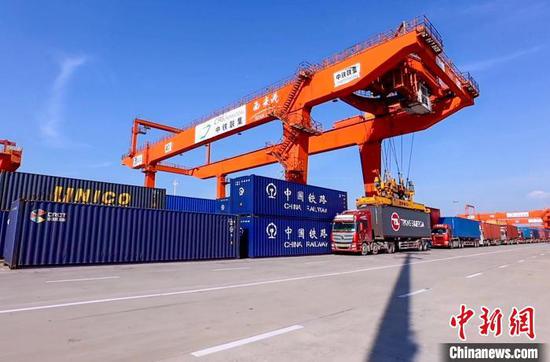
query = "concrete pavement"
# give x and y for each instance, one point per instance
(318, 308)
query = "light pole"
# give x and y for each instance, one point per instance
(175, 184)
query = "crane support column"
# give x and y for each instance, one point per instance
(294, 154)
(220, 186)
(371, 154)
(150, 174)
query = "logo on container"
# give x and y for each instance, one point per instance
(271, 190)
(241, 191)
(38, 216)
(271, 230)
(395, 224)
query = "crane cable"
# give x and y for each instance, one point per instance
(395, 155)
(410, 157)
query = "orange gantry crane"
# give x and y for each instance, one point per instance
(533, 217)
(10, 156)
(401, 80)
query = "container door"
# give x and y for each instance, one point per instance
(11, 245)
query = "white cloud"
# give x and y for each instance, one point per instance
(51, 125)
(491, 62)
(539, 195)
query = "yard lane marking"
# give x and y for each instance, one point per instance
(240, 268)
(413, 293)
(244, 285)
(240, 342)
(521, 261)
(80, 280)
(542, 254)
(504, 266)
(474, 275)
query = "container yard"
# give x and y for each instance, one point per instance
(296, 249)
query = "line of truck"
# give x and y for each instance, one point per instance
(374, 228)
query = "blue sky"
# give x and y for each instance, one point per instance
(74, 75)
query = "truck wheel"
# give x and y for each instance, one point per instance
(476, 244)
(374, 249)
(426, 246)
(364, 249)
(391, 248)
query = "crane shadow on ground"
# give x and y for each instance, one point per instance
(395, 340)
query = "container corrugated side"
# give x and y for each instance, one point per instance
(490, 231)
(20, 185)
(193, 204)
(435, 215)
(397, 222)
(463, 228)
(527, 232)
(258, 195)
(512, 232)
(47, 233)
(223, 205)
(268, 236)
(3, 227)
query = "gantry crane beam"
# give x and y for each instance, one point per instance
(521, 217)
(291, 101)
(396, 77)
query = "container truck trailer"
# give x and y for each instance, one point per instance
(375, 228)
(509, 234)
(456, 232)
(490, 234)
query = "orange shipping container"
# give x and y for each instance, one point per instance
(490, 231)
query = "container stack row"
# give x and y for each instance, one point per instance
(281, 218)
(64, 221)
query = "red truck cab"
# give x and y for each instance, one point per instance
(441, 235)
(352, 232)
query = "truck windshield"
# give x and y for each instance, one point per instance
(439, 231)
(343, 226)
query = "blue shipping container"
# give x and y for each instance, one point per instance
(3, 227)
(48, 233)
(528, 232)
(462, 228)
(29, 186)
(257, 195)
(223, 205)
(192, 204)
(272, 236)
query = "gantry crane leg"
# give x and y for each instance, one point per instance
(220, 186)
(150, 177)
(371, 155)
(294, 150)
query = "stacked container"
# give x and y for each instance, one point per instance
(28, 186)
(49, 233)
(192, 204)
(280, 218)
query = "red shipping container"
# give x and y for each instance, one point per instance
(435, 214)
(512, 232)
(490, 231)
